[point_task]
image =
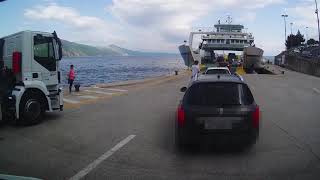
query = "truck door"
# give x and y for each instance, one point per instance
(1, 53)
(2, 82)
(44, 55)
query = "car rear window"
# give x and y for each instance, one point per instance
(247, 95)
(217, 71)
(218, 94)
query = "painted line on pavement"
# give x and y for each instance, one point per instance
(111, 89)
(119, 90)
(316, 90)
(88, 97)
(70, 101)
(99, 92)
(102, 158)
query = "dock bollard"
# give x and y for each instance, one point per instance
(77, 87)
(176, 72)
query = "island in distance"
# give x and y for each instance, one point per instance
(72, 49)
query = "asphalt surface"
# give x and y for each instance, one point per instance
(66, 143)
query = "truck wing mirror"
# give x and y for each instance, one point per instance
(55, 36)
(60, 49)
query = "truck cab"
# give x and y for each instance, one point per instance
(30, 76)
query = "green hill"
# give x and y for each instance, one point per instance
(71, 49)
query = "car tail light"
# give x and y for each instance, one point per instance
(256, 117)
(16, 62)
(180, 116)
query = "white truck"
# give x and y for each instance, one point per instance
(30, 76)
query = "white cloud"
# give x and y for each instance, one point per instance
(177, 15)
(270, 47)
(303, 15)
(254, 4)
(85, 29)
(143, 24)
(247, 17)
(172, 20)
(64, 14)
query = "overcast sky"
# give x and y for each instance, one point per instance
(155, 25)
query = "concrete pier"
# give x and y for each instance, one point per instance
(129, 134)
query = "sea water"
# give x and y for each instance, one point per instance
(100, 70)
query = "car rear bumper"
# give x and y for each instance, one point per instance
(192, 136)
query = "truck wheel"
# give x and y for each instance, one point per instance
(32, 108)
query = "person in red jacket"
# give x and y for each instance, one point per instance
(71, 77)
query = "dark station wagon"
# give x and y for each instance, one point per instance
(221, 108)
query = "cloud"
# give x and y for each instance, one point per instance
(171, 20)
(97, 31)
(303, 15)
(144, 25)
(64, 14)
(270, 47)
(247, 17)
(255, 4)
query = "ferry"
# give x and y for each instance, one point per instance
(225, 37)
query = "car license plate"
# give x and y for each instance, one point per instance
(217, 123)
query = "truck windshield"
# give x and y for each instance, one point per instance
(44, 52)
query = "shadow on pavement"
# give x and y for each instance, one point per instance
(52, 116)
(47, 117)
(214, 149)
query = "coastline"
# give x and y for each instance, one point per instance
(135, 83)
(92, 71)
(102, 92)
(142, 81)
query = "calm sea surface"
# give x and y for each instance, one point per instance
(94, 70)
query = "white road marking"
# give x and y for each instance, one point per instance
(103, 157)
(119, 90)
(88, 97)
(70, 101)
(316, 90)
(99, 92)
